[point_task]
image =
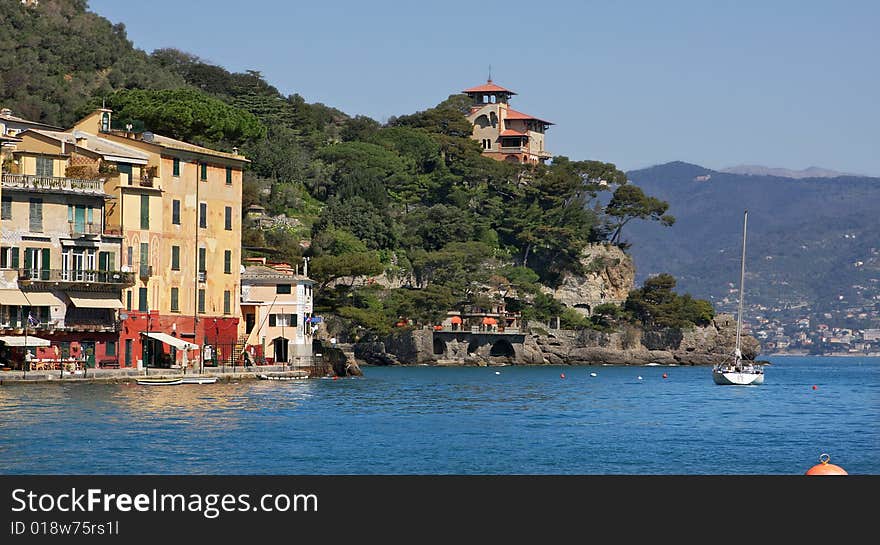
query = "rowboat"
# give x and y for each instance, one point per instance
(199, 380)
(159, 381)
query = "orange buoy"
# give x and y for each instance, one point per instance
(335, 378)
(815, 387)
(561, 375)
(665, 375)
(824, 468)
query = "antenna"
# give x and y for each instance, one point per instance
(490, 73)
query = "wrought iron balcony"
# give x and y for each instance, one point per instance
(116, 279)
(51, 184)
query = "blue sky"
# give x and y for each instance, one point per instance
(780, 83)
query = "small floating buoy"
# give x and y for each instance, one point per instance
(593, 374)
(640, 377)
(497, 372)
(665, 375)
(335, 378)
(824, 468)
(561, 375)
(815, 387)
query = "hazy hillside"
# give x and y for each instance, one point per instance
(810, 172)
(810, 240)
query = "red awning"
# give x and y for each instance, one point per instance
(489, 321)
(455, 319)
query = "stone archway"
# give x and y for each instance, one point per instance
(502, 348)
(439, 347)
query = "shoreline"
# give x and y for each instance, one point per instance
(124, 376)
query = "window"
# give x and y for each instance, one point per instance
(204, 169)
(175, 212)
(282, 320)
(8, 258)
(228, 218)
(272, 320)
(6, 208)
(145, 211)
(128, 300)
(228, 175)
(36, 260)
(201, 301)
(175, 258)
(282, 288)
(124, 170)
(175, 302)
(142, 300)
(175, 170)
(227, 262)
(45, 167)
(203, 259)
(203, 215)
(129, 256)
(145, 260)
(227, 302)
(36, 218)
(110, 348)
(106, 261)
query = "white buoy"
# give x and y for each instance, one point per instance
(640, 377)
(497, 372)
(593, 374)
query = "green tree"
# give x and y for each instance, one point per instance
(630, 202)
(327, 268)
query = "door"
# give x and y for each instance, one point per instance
(128, 343)
(78, 266)
(280, 346)
(250, 320)
(79, 219)
(88, 349)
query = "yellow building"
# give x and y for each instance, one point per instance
(59, 265)
(504, 133)
(179, 216)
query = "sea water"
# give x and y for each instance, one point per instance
(457, 420)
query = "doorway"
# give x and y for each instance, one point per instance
(280, 348)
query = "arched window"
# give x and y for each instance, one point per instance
(482, 121)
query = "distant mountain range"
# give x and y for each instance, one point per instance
(810, 172)
(813, 243)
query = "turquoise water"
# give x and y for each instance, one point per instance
(426, 420)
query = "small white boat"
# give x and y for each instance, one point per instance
(276, 377)
(198, 380)
(739, 372)
(159, 381)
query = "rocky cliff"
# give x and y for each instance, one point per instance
(628, 346)
(608, 277)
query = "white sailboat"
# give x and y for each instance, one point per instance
(738, 371)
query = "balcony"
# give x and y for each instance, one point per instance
(145, 272)
(84, 229)
(49, 184)
(76, 278)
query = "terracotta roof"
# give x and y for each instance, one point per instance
(93, 143)
(511, 132)
(9, 117)
(513, 114)
(171, 143)
(488, 87)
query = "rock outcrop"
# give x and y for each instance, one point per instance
(628, 346)
(609, 276)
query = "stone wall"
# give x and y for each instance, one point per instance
(609, 277)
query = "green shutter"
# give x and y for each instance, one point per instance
(204, 171)
(293, 320)
(228, 175)
(175, 258)
(128, 300)
(102, 261)
(176, 167)
(28, 258)
(272, 320)
(142, 300)
(175, 297)
(201, 301)
(227, 261)
(145, 211)
(227, 302)
(45, 264)
(13, 258)
(203, 259)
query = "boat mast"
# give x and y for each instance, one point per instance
(742, 277)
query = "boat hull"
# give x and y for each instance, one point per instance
(159, 382)
(198, 380)
(734, 378)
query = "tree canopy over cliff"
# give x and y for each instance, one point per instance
(413, 198)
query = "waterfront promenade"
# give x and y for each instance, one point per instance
(115, 376)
